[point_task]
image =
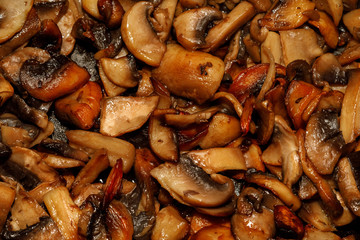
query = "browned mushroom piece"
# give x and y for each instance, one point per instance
(141, 40)
(191, 186)
(314, 233)
(62, 148)
(162, 22)
(347, 175)
(91, 7)
(13, 17)
(214, 231)
(286, 219)
(197, 79)
(265, 121)
(307, 189)
(258, 33)
(111, 11)
(287, 15)
(351, 21)
(55, 78)
(327, 68)
(190, 26)
(333, 7)
(238, 16)
(324, 141)
(31, 26)
(119, 221)
(82, 107)
(313, 213)
(6, 90)
(327, 29)
(49, 37)
(6, 201)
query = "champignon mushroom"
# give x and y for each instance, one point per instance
(141, 40)
(327, 68)
(13, 16)
(55, 78)
(190, 26)
(190, 185)
(351, 21)
(195, 75)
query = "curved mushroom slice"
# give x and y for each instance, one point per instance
(307, 189)
(111, 11)
(194, 75)
(6, 90)
(141, 40)
(333, 7)
(312, 212)
(13, 16)
(278, 188)
(91, 7)
(162, 139)
(286, 219)
(120, 115)
(116, 148)
(121, 71)
(327, 29)
(347, 216)
(324, 141)
(65, 25)
(347, 183)
(221, 211)
(257, 225)
(55, 78)
(352, 22)
(314, 233)
(213, 232)
(223, 128)
(50, 9)
(258, 33)
(169, 225)
(299, 44)
(191, 186)
(30, 28)
(216, 160)
(119, 221)
(163, 18)
(273, 43)
(11, 64)
(82, 107)
(217, 35)
(287, 15)
(327, 69)
(350, 111)
(190, 26)
(6, 201)
(261, 5)
(110, 88)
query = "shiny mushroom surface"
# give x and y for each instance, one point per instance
(179, 119)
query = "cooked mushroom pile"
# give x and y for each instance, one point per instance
(179, 119)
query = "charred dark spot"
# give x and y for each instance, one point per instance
(203, 68)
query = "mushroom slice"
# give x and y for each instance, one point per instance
(119, 221)
(333, 7)
(216, 160)
(350, 111)
(141, 40)
(347, 216)
(222, 211)
(190, 26)
(63, 211)
(258, 33)
(287, 15)
(82, 107)
(312, 232)
(120, 115)
(286, 219)
(60, 162)
(13, 16)
(273, 43)
(6, 90)
(191, 186)
(213, 232)
(110, 88)
(55, 78)
(169, 223)
(50, 9)
(223, 128)
(121, 71)
(327, 69)
(163, 18)
(65, 25)
(299, 44)
(162, 139)
(327, 29)
(11, 64)
(30, 28)
(278, 188)
(111, 11)
(324, 141)
(313, 213)
(6, 201)
(257, 225)
(238, 16)
(352, 22)
(91, 7)
(117, 148)
(25, 212)
(195, 75)
(347, 182)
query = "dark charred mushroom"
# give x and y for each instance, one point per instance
(49, 37)
(55, 78)
(328, 69)
(192, 186)
(50, 9)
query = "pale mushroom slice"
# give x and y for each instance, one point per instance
(352, 23)
(65, 25)
(192, 74)
(218, 35)
(13, 15)
(121, 71)
(273, 43)
(120, 115)
(215, 160)
(163, 18)
(6, 201)
(191, 186)
(110, 88)
(140, 39)
(117, 148)
(333, 7)
(190, 26)
(299, 44)
(91, 7)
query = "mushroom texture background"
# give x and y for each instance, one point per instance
(179, 119)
